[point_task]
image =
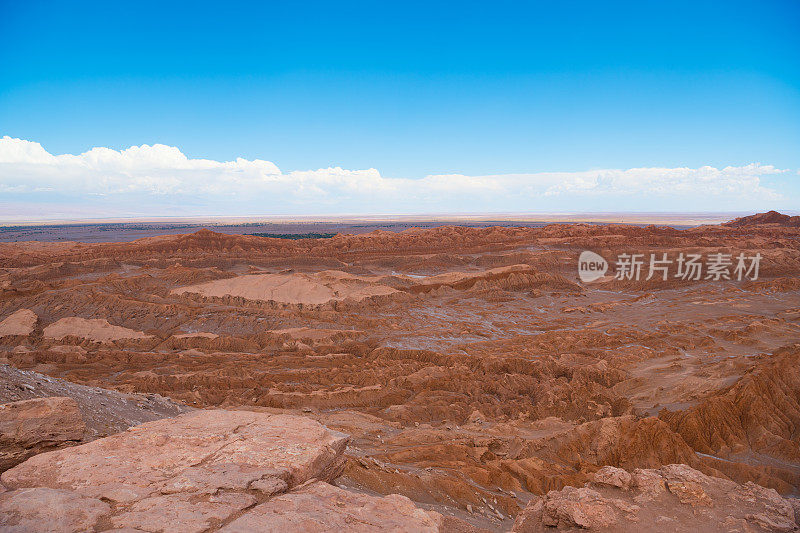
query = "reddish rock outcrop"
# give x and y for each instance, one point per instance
(29, 427)
(200, 472)
(672, 498)
(770, 217)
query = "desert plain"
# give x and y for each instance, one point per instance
(467, 369)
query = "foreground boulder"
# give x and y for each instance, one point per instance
(672, 498)
(195, 452)
(29, 427)
(202, 471)
(323, 507)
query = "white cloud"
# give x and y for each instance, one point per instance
(162, 175)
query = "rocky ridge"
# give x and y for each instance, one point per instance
(770, 217)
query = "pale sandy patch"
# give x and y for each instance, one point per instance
(295, 288)
(450, 278)
(199, 334)
(20, 322)
(95, 329)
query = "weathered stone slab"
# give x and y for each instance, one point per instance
(320, 507)
(137, 463)
(29, 427)
(44, 510)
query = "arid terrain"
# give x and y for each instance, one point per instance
(122, 230)
(475, 374)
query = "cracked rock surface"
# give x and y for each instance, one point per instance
(201, 471)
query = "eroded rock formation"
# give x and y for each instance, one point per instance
(672, 498)
(471, 366)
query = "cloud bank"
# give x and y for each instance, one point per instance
(161, 180)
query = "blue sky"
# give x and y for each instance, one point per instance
(412, 90)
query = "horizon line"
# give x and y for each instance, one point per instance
(634, 217)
